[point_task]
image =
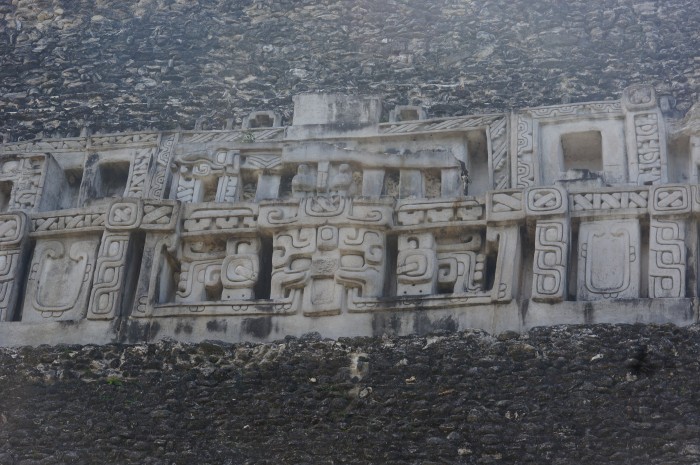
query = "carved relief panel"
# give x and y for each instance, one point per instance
(206, 176)
(416, 265)
(550, 264)
(240, 270)
(322, 264)
(60, 275)
(667, 258)
(461, 264)
(608, 260)
(13, 251)
(646, 136)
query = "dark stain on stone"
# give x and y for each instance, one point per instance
(136, 332)
(217, 326)
(524, 306)
(67, 323)
(154, 330)
(386, 323)
(258, 327)
(183, 327)
(588, 313)
(422, 324)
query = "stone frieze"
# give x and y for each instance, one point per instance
(345, 225)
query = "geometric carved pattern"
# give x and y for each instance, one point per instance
(525, 169)
(109, 275)
(161, 167)
(498, 136)
(545, 199)
(10, 264)
(125, 214)
(670, 199)
(12, 229)
(551, 261)
(586, 201)
(648, 146)
(667, 258)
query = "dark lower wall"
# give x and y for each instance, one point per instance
(113, 66)
(575, 395)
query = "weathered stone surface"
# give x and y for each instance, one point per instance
(501, 222)
(133, 66)
(586, 394)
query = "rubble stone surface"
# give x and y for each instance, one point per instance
(118, 66)
(579, 394)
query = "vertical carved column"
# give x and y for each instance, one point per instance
(505, 242)
(292, 254)
(159, 220)
(499, 162)
(160, 168)
(552, 237)
(228, 189)
(505, 213)
(13, 255)
(523, 173)
(123, 217)
(551, 261)
(645, 135)
(108, 280)
(667, 258)
(667, 249)
(138, 173)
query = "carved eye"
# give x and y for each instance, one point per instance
(352, 261)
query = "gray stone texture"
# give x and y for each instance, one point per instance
(117, 66)
(577, 395)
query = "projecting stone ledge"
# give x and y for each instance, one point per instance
(345, 226)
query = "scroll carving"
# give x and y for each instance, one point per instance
(108, 282)
(550, 261)
(667, 258)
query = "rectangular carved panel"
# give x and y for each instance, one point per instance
(667, 258)
(550, 264)
(608, 260)
(59, 281)
(108, 282)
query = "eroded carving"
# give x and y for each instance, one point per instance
(416, 265)
(608, 261)
(550, 262)
(59, 279)
(108, 282)
(667, 259)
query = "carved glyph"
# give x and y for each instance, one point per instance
(648, 144)
(550, 262)
(59, 279)
(416, 265)
(108, 280)
(667, 258)
(608, 260)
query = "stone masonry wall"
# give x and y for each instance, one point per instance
(576, 395)
(115, 66)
